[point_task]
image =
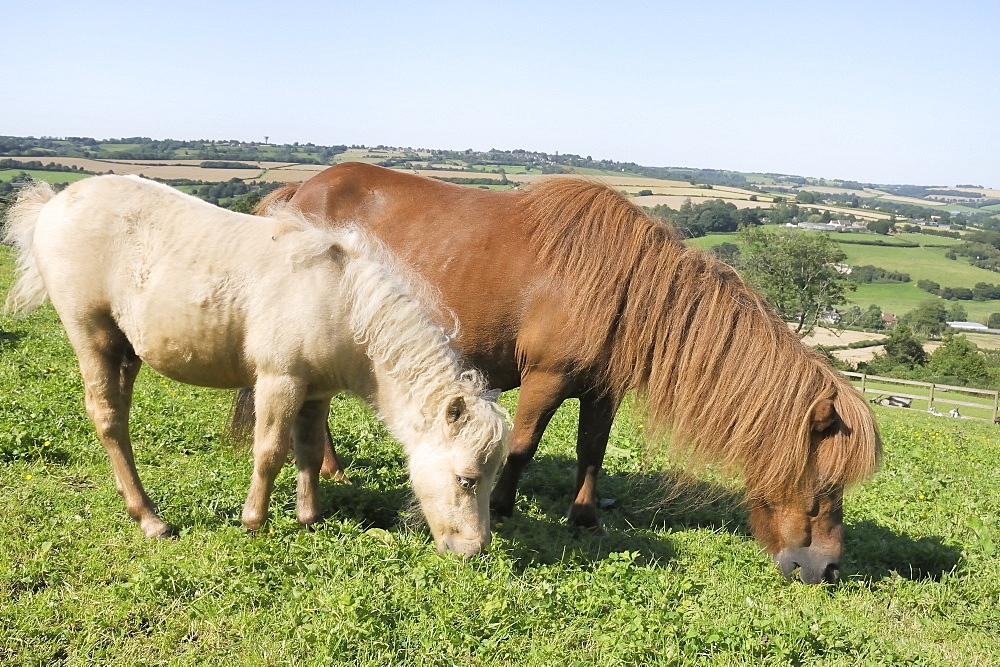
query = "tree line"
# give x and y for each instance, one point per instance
(144, 148)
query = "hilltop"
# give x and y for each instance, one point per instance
(941, 220)
(222, 160)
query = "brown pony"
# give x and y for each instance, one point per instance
(569, 290)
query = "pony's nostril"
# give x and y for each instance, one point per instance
(832, 573)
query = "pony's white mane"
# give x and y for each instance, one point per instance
(390, 315)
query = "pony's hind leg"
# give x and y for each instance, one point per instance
(278, 401)
(109, 367)
(597, 412)
(333, 467)
(309, 440)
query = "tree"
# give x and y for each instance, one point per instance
(880, 226)
(957, 313)
(928, 318)
(902, 348)
(796, 272)
(872, 319)
(959, 361)
(994, 321)
(727, 252)
(805, 197)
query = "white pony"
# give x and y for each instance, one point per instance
(140, 272)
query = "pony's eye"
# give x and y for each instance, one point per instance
(466, 482)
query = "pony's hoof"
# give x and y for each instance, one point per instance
(585, 516)
(253, 521)
(158, 529)
(598, 531)
(308, 520)
(501, 508)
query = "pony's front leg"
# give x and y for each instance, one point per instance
(309, 441)
(277, 402)
(540, 396)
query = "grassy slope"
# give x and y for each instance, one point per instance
(681, 584)
(921, 263)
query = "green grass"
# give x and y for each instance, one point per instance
(680, 583)
(920, 263)
(38, 175)
(928, 239)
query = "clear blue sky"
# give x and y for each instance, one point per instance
(887, 92)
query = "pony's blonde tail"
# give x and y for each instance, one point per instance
(29, 291)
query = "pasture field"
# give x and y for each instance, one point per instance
(678, 582)
(48, 176)
(926, 262)
(902, 298)
(676, 201)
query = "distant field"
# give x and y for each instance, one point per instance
(165, 169)
(928, 239)
(869, 239)
(292, 173)
(48, 176)
(368, 155)
(899, 299)
(919, 263)
(986, 192)
(687, 190)
(676, 201)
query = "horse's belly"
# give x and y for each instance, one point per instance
(206, 351)
(192, 362)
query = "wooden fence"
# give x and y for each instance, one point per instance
(933, 395)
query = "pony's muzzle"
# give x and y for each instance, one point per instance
(814, 566)
(462, 546)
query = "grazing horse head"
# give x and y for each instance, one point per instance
(452, 476)
(721, 373)
(454, 432)
(801, 526)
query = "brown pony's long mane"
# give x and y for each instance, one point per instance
(718, 369)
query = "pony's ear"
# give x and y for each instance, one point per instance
(823, 415)
(493, 395)
(455, 410)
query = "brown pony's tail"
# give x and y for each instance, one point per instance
(241, 419)
(276, 197)
(242, 415)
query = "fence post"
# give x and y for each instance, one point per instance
(864, 376)
(996, 405)
(930, 399)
